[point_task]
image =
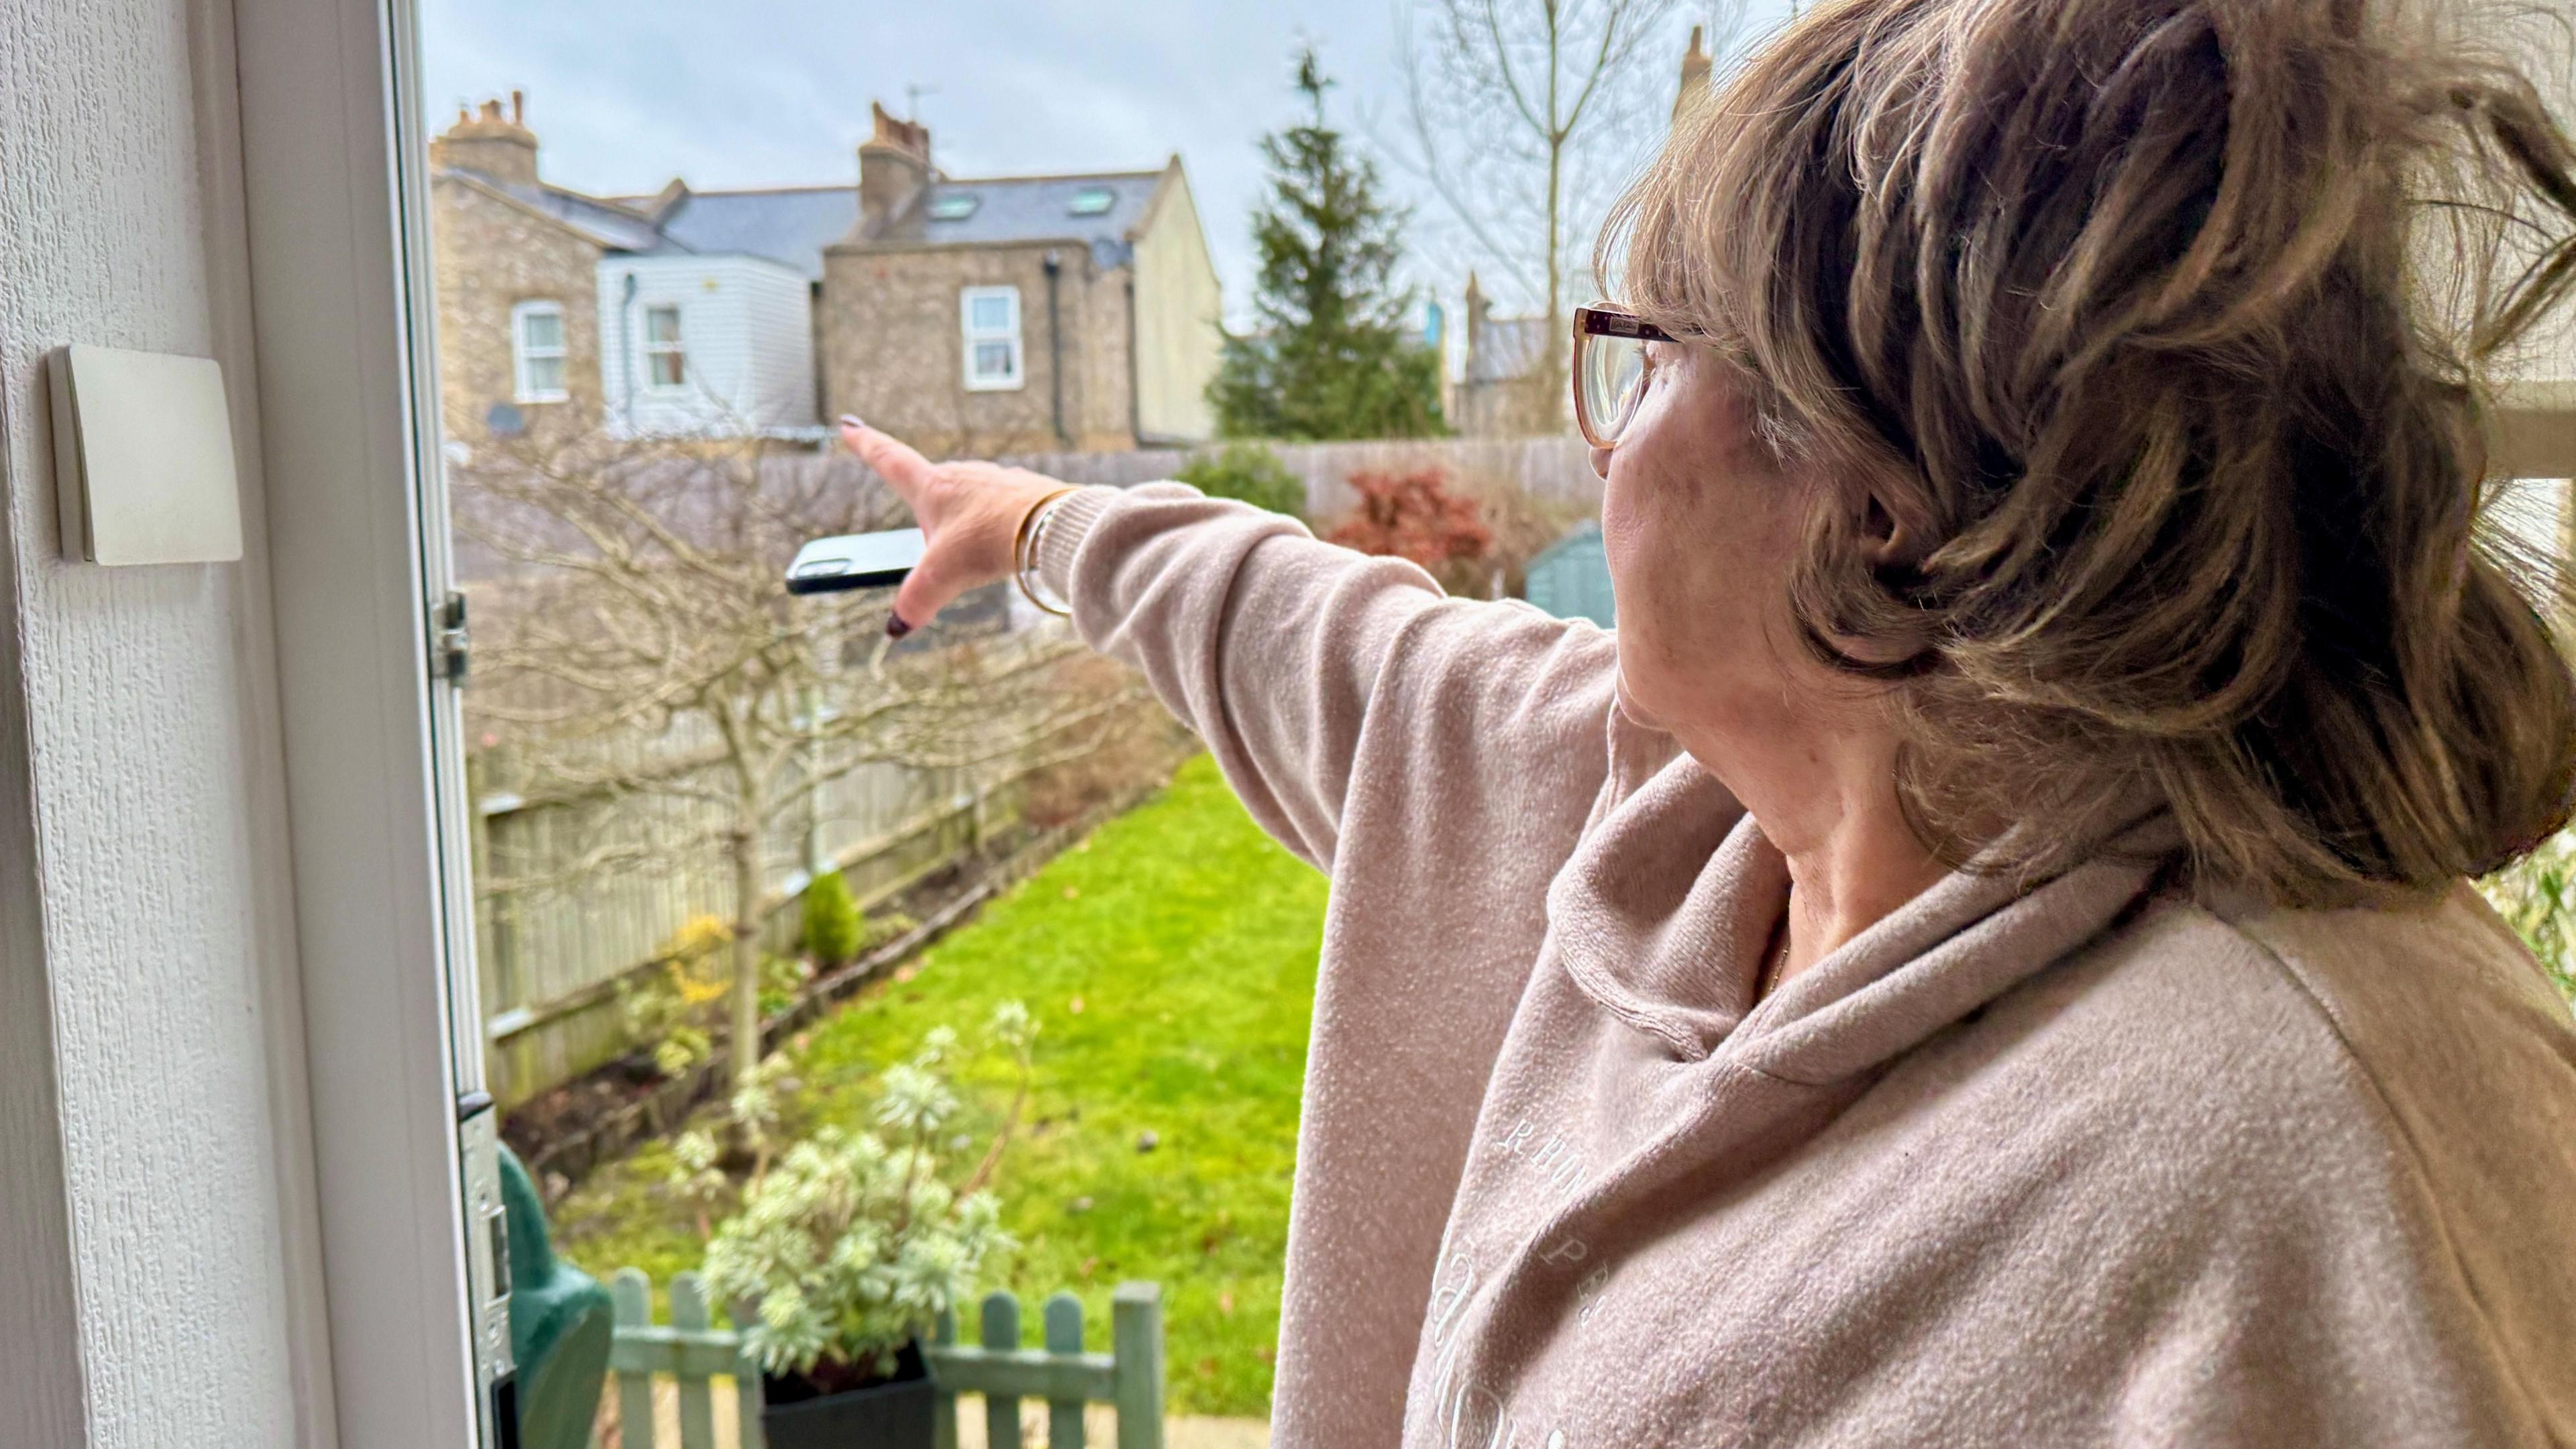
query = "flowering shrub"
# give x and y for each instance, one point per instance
(669, 1006)
(855, 1243)
(2537, 897)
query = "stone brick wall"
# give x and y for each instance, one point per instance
(488, 255)
(1105, 419)
(892, 350)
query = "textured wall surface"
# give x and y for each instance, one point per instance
(136, 726)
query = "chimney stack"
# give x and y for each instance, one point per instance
(1695, 68)
(490, 144)
(894, 169)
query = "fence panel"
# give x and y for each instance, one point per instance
(1130, 1377)
(697, 1400)
(1001, 1410)
(1557, 467)
(1064, 1336)
(559, 934)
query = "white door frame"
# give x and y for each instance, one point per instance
(335, 214)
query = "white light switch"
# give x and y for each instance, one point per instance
(143, 458)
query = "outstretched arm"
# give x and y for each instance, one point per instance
(1285, 654)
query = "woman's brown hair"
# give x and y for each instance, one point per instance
(2156, 332)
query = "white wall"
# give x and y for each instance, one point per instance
(747, 325)
(148, 1295)
(1179, 321)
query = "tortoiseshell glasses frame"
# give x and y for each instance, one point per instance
(1610, 369)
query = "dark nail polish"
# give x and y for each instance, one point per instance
(896, 628)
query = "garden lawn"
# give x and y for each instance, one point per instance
(1170, 960)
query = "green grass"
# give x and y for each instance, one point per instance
(1171, 961)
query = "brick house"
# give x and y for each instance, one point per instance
(561, 313)
(1017, 314)
(1023, 313)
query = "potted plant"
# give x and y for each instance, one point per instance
(844, 1255)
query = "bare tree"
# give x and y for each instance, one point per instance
(642, 648)
(1524, 118)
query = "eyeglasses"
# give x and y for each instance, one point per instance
(1610, 370)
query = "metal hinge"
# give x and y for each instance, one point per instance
(451, 652)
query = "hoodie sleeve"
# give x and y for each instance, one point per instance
(1288, 655)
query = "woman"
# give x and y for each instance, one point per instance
(1981, 955)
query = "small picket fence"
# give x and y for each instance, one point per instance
(691, 1351)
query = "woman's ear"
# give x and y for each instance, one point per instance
(1888, 542)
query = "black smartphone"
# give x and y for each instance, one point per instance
(854, 561)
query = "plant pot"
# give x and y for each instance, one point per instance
(894, 1413)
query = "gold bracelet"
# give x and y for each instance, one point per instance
(1022, 560)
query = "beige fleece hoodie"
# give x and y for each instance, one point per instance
(2098, 1163)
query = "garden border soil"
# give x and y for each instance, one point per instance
(565, 1149)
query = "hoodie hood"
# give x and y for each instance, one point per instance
(1642, 1009)
(1664, 912)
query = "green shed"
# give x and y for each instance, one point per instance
(1570, 578)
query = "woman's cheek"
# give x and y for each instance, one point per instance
(1637, 581)
(1623, 541)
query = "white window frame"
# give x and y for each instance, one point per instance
(969, 335)
(648, 349)
(333, 201)
(522, 352)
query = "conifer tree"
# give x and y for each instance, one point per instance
(1331, 355)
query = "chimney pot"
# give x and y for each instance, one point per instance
(489, 142)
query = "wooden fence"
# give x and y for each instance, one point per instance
(555, 941)
(551, 957)
(1553, 467)
(691, 1353)
(1556, 468)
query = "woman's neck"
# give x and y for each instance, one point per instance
(1827, 801)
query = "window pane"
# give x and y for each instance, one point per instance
(545, 376)
(661, 324)
(543, 331)
(992, 313)
(992, 359)
(668, 370)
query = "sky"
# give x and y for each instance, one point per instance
(623, 95)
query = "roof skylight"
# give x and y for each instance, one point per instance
(955, 206)
(1092, 201)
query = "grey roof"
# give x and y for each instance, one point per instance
(793, 225)
(1506, 348)
(790, 226)
(1031, 208)
(611, 226)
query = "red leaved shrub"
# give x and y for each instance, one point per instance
(1415, 515)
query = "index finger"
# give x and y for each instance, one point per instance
(892, 458)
